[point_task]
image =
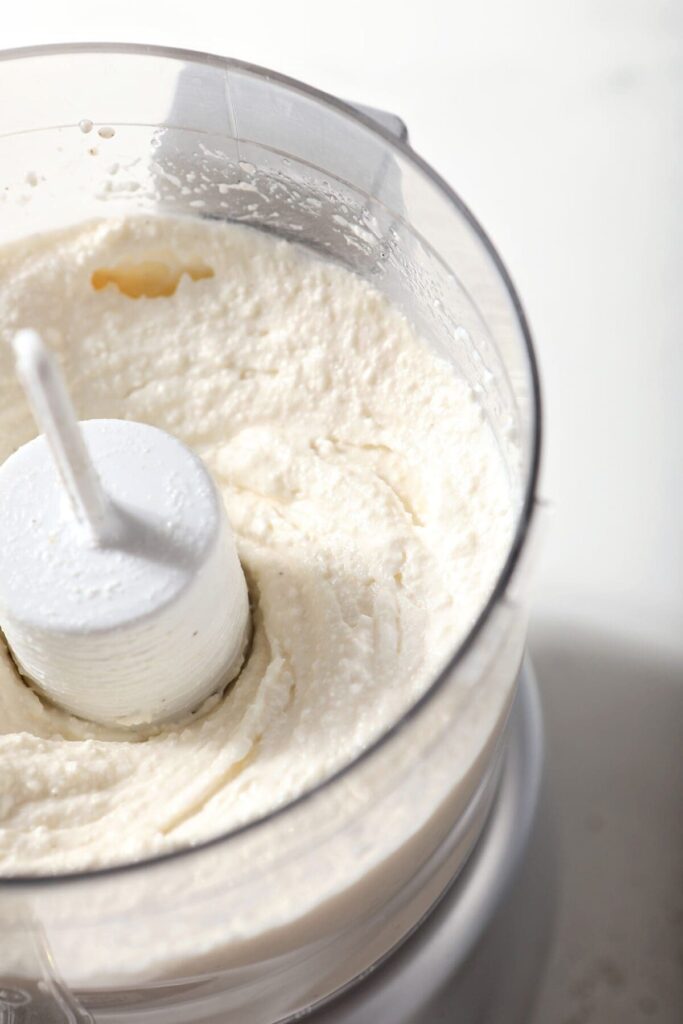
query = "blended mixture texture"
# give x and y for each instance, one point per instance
(370, 501)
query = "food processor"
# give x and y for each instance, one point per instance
(410, 847)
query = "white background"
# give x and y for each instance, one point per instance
(561, 125)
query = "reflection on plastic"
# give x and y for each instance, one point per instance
(31, 991)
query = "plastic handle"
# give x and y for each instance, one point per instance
(54, 414)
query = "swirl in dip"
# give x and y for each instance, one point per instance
(370, 501)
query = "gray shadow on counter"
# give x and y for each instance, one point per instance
(614, 732)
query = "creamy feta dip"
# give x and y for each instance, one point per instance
(371, 504)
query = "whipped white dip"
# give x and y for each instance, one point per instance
(370, 502)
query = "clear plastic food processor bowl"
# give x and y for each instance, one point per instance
(258, 925)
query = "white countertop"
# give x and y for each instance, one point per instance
(561, 126)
